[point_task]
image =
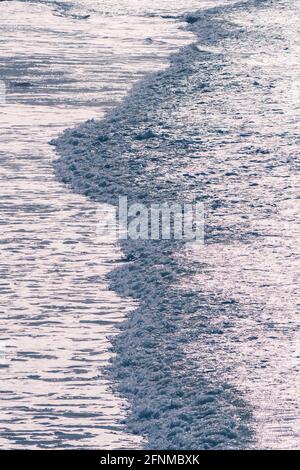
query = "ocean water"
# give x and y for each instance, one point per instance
(61, 63)
(209, 358)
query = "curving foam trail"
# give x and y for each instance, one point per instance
(57, 312)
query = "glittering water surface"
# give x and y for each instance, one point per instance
(62, 63)
(210, 355)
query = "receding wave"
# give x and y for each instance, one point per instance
(207, 129)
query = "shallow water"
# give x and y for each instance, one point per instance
(63, 63)
(211, 354)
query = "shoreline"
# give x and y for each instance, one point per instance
(151, 149)
(150, 374)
